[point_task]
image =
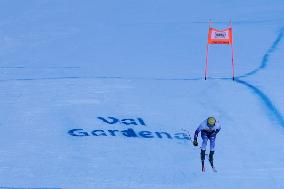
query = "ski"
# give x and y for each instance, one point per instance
(213, 167)
(203, 166)
(211, 164)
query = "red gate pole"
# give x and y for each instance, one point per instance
(207, 46)
(233, 64)
(206, 63)
(232, 47)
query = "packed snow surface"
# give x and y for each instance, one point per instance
(107, 94)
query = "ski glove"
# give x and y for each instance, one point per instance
(195, 143)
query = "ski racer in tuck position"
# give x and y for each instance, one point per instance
(209, 129)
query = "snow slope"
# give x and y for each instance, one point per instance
(132, 73)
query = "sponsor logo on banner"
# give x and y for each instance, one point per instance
(219, 35)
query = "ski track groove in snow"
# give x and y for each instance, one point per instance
(263, 97)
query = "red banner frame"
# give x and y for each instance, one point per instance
(220, 37)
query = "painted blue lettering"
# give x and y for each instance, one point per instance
(112, 132)
(181, 136)
(109, 120)
(129, 133)
(99, 133)
(78, 132)
(128, 122)
(141, 121)
(159, 134)
(146, 134)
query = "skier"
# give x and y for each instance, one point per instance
(209, 129)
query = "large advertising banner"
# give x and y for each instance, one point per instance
(220, 36)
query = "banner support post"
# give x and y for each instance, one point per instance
(206, 63)
(233, 64)
(207, 46)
